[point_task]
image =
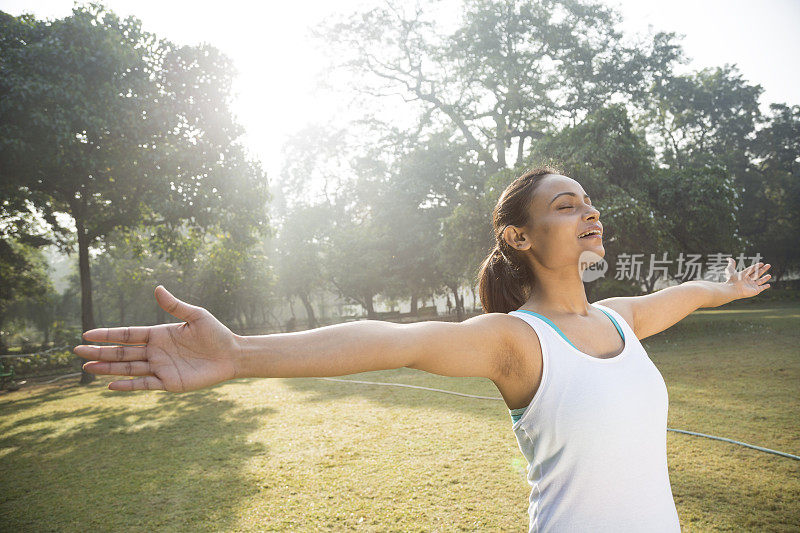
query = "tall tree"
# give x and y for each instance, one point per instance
(511, 70)
(771, 199)
(114, 127)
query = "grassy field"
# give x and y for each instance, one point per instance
(315, 455)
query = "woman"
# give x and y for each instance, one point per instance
(589, 408)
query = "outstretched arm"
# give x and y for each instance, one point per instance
(202, 352)
(657, 311)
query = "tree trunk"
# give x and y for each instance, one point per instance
(370, 307)
(458, 300)
(414, 305)
(312, 320)
(500, 140)
(3, 345)
(87, 313)
(460, 304)
(520, 150)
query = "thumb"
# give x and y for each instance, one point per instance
(176, 307)
(731, 268)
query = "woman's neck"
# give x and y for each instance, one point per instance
(559, 295)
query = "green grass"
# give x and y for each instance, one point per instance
(314, 455)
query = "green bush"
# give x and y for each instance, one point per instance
(43, 364)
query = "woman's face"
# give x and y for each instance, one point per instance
(559, 212)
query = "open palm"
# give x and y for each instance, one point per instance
(197, 353)
(748, 282)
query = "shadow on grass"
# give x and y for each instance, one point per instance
(112, 463)
(34, 394)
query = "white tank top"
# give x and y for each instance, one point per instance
(595, 438)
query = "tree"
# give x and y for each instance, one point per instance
(24, 281)
(771, 199)
(418, 188)
(355, 252)
(23, 269)
(123, 275)
(705, 117)
(116, 128)
(512, 70)
(299, 253)
(232, 277)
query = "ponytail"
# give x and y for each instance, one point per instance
(505, 278)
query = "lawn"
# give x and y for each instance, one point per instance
(309, 454)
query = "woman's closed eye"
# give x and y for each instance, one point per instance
(571, 206)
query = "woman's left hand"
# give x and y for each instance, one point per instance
(747, 282)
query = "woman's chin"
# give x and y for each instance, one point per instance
(594, 244)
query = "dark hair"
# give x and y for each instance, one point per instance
(505, 278)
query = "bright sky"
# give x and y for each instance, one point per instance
(277, 59)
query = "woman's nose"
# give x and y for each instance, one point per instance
(592, 212)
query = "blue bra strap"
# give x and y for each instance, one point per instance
(550, 322)
(619, 329)
(516, 414)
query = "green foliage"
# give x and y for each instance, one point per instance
(47, 364)
(117, 128)
(233, 279)
(23, 280)
(703, 117)
(356, 260)
(771, 199)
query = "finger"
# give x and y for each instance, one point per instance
(130, 368)
(124, 335)
(145, 383)
(762, 279)
(111, 353)
(750, 271)
(762, 269)
(763, 288)
(175, 307)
